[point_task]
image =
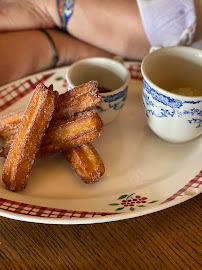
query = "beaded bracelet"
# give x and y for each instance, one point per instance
(55, 53)
(65, 8)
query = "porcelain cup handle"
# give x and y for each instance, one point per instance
(154, 48)
(119, 59)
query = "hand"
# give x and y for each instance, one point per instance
(28, 14)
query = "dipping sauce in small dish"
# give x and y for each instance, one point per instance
(104, 90)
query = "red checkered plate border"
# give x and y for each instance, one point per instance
(128, 203)
(41, 214)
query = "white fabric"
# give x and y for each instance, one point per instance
(197, 41)
(168, 22)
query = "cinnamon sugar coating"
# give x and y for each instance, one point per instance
(27, 140)
(79, 99)
(86, 162)
(66, 133)
(71, 132)
(53, 124)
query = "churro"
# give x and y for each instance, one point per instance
(7, 145)
(86, 162)
(27, 140)
(84, 159)
(78, 99)
(53, 123)
(81, 98)
(66, 133)
(82, 128)
(9, 123)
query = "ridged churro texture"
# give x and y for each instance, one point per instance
(32, 132)
(7, 145)
(79, 99)
(86, 162)
(65, 133)
(71, 132)
(9, 123)
(28, 138)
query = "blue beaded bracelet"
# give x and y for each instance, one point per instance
(65, 8)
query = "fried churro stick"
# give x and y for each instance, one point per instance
(83, 159)
(6, 147)
(66, 133)
(27, 140)
(8, 130)
(79, 99)
(77, 130)
(9, 123)
(86, 162)
(11, 118)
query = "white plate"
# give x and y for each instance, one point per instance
(143, 173)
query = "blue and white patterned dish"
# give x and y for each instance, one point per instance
(112, 104)
(110, 73)
(174, 118)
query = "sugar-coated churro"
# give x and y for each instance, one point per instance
(66, 133)
(27, 140)
(86, 162)
(53, 123)
(78, 99)
(7, 145)
(75, 131)
(9, 123)
(81, 98)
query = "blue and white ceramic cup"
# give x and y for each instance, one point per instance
(112, 77)
(173, 117)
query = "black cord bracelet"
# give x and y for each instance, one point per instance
(55, 54)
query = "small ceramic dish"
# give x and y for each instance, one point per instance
(113, 80)
(173, 117)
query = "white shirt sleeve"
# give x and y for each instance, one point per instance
(168, 22)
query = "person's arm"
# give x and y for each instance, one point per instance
(112, 25)
(28, 14)
(27, 52)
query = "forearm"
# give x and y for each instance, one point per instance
(114, 25)
(27, 14)
(27, 52)
(23, 53)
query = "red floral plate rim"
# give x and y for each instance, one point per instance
(41, 214)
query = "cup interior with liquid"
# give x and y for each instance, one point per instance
(172, 92)
(113, 80)
(176, 69)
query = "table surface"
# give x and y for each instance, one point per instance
(169, 239)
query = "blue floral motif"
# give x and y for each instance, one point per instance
(193, 112)
(196, 121)
(160, 112)
(115, 97)
(173, 106)
(193, 102)
(171, 102)
(114, 102)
